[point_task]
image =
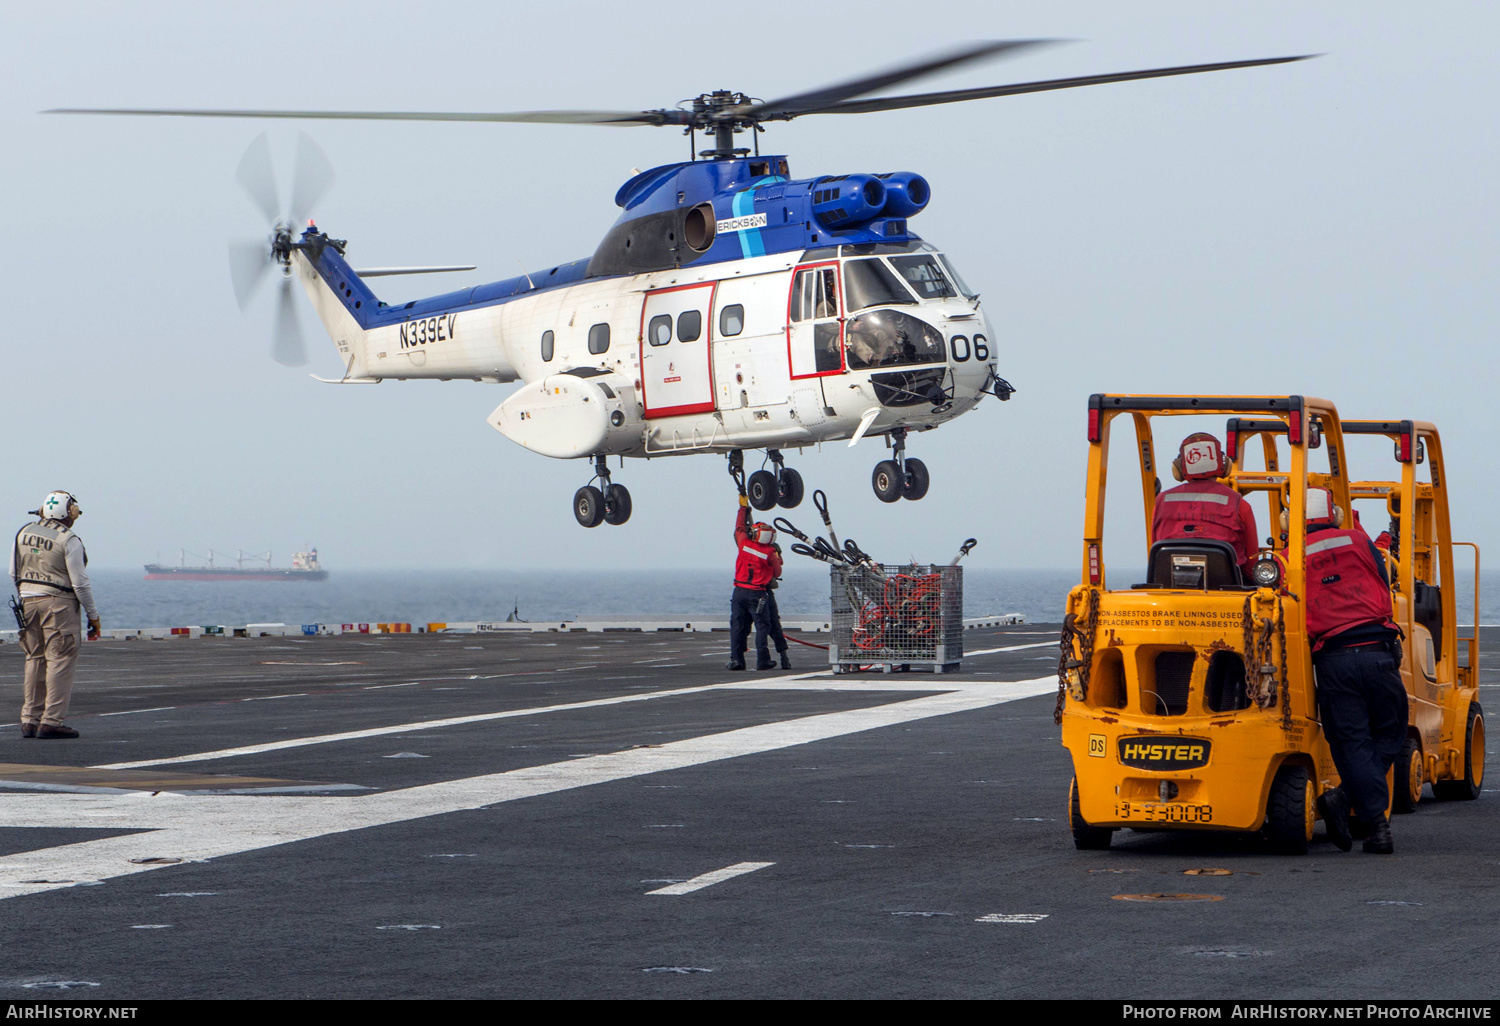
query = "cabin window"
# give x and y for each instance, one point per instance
(925, 277)
(890, 338)
(731, 320)
(815, 295)
(871, 283)
(689, 326)
(599, 339)
(659, 333)
(546, 347)
(958, 279)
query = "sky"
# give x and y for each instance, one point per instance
(1326, 227)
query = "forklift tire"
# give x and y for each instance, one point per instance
(1085, 837)
(1470, 786)
(1406, 789)
(1291, 811)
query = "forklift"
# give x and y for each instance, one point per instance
(1445, 735)
(1187, 701)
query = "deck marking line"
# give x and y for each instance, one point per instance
(452, 721)
(196, 828)
(697, 883)
(132, 712)
(1011, 648)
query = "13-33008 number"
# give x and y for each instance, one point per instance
(1164, 812)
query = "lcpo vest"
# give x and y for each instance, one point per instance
(1344, 588)
(41, 558)
(1199, 509)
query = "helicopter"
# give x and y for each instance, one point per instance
(730, 307)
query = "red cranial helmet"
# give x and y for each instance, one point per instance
(1200, 457)
(763, 533)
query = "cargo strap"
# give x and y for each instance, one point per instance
(1067, 663)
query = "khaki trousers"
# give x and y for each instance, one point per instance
(51, 639)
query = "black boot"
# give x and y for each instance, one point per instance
(763, 661)
(736, 662)
(786, 662)
(1379, 841)
(1333, 805)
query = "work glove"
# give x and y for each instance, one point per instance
(95, 628)
(744, 502)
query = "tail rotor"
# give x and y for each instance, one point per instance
(251, 260)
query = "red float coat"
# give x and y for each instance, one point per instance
(1345, 586)
(758, 565)
(1206, 509)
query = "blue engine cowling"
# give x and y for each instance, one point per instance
(906, 194)
(845, 200)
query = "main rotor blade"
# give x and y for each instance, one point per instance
(556, 117)
(249, 261)
(286, 344)
(827, 96)
(957, 95)
(313, 176)
(256, 177)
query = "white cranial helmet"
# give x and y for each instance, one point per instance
(57, 505)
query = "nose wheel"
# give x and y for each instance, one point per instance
(606, 503)
(779, 486)
(900, 477)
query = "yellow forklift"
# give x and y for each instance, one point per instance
(1187, 701)
(1445, 742)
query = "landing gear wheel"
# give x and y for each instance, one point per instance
(616, 505)
(1085, 837)
(1469, 787)
(761, 488)
(588, 506)
(917, 479)
(789, 490)
(1291, 812)
(887, 480)
(1406, 789)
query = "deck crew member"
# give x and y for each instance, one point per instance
(49, 568)
(773, 623)
(1201, 507)
(1356, 653)
(757, 565)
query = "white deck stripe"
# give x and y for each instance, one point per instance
(197, 827)
(452, 721)
(1013, 648)
(697, 883)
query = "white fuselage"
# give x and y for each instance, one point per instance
(762, 352)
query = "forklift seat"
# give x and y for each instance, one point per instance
(1427, 605)
(1205, 563)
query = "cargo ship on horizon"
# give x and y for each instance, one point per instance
(304, 567)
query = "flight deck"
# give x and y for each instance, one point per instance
(615, 815)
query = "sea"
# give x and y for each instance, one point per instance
(126, 599)
(418, 597)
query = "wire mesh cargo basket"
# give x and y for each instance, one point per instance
(897, 617)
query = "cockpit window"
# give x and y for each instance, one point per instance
(871, 283)
(963, 286)
(925, 276)
(890, 338)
